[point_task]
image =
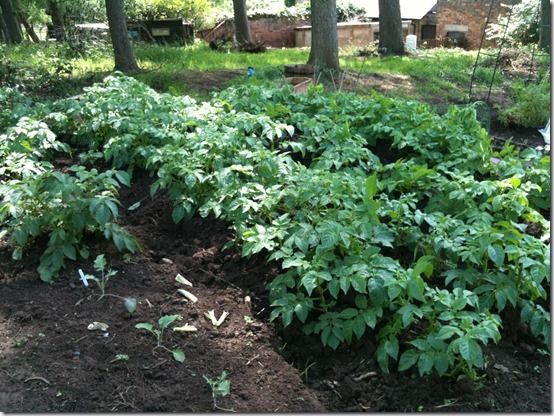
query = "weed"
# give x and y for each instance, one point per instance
(304, 373)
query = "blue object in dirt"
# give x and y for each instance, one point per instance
(250, 71)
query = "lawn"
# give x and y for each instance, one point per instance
(432, 75)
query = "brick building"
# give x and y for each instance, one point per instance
(440, 22)
(434, 22)
(464, 19)
(276, 32)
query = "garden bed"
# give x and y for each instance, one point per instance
(50, 362)
(367, 251)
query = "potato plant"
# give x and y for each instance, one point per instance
(387, 220)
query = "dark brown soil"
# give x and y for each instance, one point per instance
(50, 362)
(521, 137)
(205, 82)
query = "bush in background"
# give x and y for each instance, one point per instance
(531, 105)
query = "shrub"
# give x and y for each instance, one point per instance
(531, 105)
(193, 11)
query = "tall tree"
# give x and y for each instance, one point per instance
(57, 20)
(4, 34)
(28, 28)
(324, 50)
(12, 25)
(545, 22)
(242, 27)
(124, 58)
(390, 27)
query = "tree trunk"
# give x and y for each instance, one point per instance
(390, 28)
(242, 27)
(545, 22)
(123, 53)
(28, 28)
(12, 26)
(57, 21)
(4, 34)
(324, 50)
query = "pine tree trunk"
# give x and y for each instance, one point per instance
(242, 27)
(545, 22)
(390, 27)
(28, 28)
(57, 21)
(124, 58)
(12, 25)
(324, 50)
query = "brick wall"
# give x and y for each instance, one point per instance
(271, 31)
(470, 14)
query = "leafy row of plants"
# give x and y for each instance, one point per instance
(385, 218)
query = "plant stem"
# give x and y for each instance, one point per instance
(109, 294)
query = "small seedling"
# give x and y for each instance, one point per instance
(309, 364)
(163, 323)
(100, 265)
(220, 387)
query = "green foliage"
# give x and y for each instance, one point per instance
(62, 206)
(158, 331)
(13, 106)
(100, 265)
(523, 24)
(387, 220)
(348, 10)
(531, 105)
(193, 11)
(45, 73)
(220, 387)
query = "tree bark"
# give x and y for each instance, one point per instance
(123, 53)
(390, 28)
(324, 50)
(28, 28)
(57, 20)
(4, 34)
(242, 27)
(12, 25)
(545, 22)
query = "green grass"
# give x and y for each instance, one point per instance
(436, 75)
